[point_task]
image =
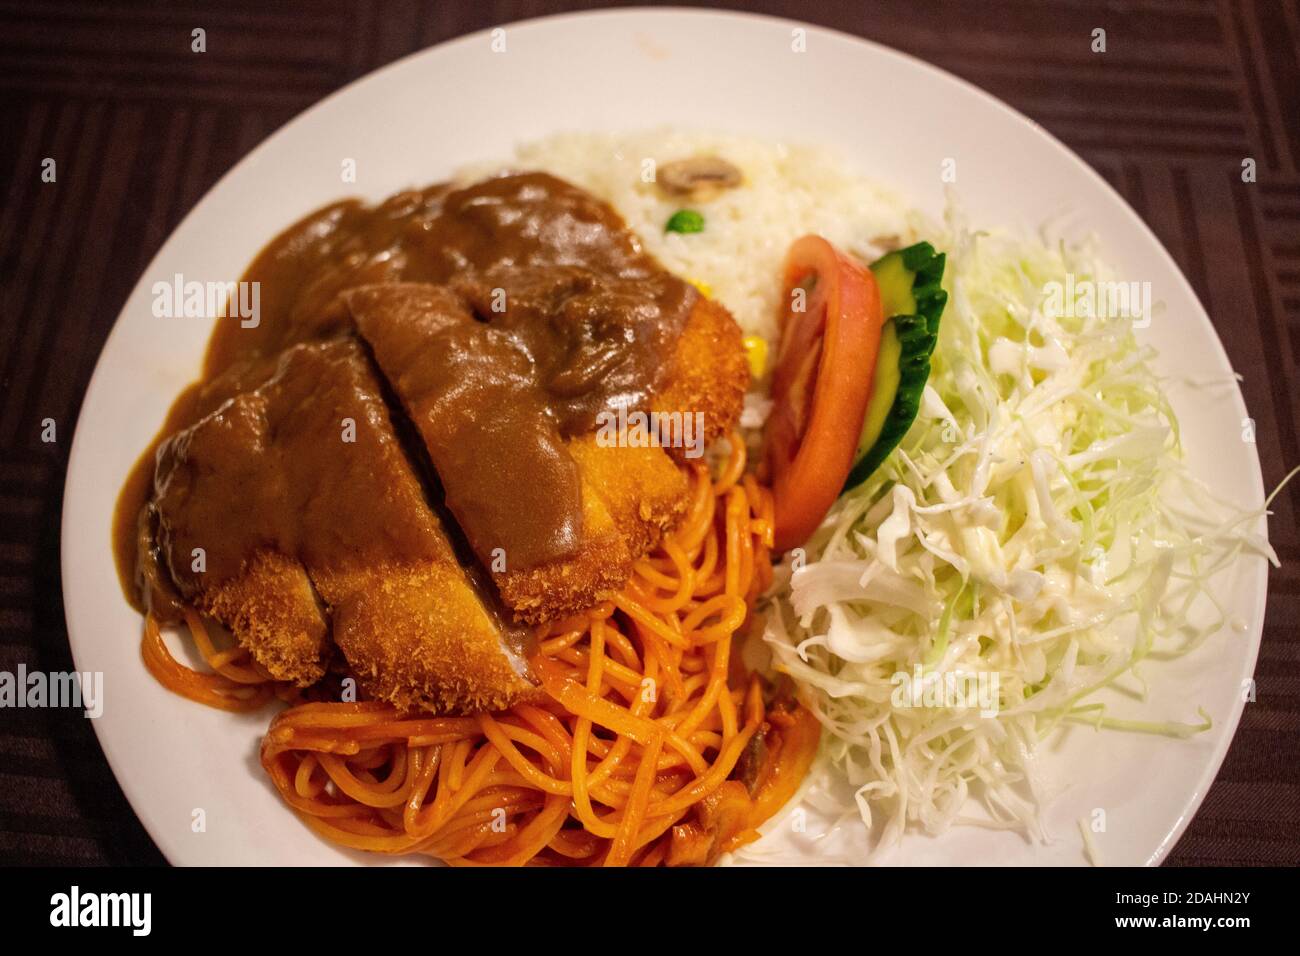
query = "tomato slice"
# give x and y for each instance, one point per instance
(821, 383)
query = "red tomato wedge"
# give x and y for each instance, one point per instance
(830, 334)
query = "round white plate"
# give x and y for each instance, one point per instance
(416, 121)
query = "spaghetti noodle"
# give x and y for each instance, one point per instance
(630, 755)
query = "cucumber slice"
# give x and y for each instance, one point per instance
(912, 299)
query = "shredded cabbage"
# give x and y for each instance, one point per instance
(1036, 530)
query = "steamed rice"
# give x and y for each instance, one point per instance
(787, 191)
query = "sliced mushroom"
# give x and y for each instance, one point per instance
(698, 178)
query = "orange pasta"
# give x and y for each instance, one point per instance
(644, 749)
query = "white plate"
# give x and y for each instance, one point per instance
(417, 120)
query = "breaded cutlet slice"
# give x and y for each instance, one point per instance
(209, 480)
(301, 488)
(416, 636)
(410, 620)
(272, 611)
(409, 327)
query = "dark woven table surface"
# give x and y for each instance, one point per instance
(141, 127)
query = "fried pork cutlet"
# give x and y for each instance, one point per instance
(301, 501)
(508, 317)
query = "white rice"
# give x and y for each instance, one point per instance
(787, 191)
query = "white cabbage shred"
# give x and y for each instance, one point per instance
(1037, 523)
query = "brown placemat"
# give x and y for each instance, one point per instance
(141, 127)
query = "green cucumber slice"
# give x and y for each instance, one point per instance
(912, 299)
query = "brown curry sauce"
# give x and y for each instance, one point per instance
(571, 317)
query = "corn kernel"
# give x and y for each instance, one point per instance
(756, 353)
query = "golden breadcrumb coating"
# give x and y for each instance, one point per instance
(272, 611)
(710, 373)
(419, 637)
(643, 489)
(560, 588)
